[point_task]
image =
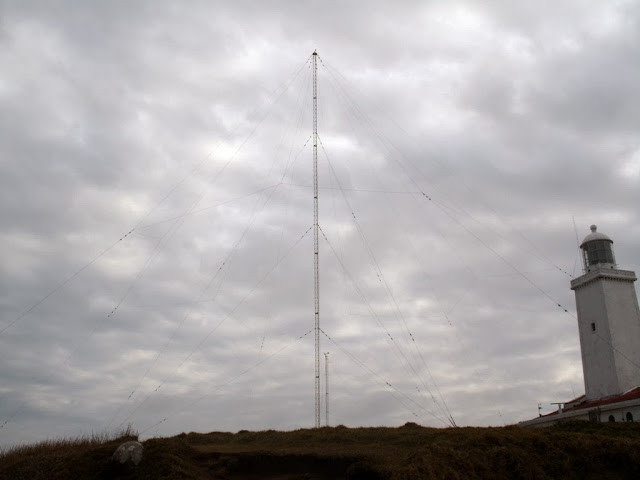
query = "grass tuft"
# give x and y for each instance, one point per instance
(84, 442)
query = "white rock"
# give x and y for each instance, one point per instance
(129, 451)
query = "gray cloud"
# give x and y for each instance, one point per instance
(188, 126)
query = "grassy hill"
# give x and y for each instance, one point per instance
(569, 451)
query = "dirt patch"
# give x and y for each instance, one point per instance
(256, 466)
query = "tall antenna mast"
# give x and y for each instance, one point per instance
(315, 234)
(326, 388)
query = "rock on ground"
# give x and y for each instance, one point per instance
(129, 452)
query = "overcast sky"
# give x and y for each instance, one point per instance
(156, 202)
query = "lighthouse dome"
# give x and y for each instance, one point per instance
(595, 235)
(597, 248)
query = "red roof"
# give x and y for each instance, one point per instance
(632, 394)
(580, 398)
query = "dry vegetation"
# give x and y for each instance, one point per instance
(60, 458)
(571, 451)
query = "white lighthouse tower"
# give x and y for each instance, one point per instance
(608, 320)
(609, 326)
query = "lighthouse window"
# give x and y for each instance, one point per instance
(629, 417)
(599, 251)
(593, 327)
(612, 418)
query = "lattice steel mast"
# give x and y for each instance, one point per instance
(315, 235)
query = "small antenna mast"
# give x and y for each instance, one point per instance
(326, 388)
(315, 235)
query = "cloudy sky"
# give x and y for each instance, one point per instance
(156, 250)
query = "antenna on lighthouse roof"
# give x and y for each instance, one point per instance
(575, 263)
